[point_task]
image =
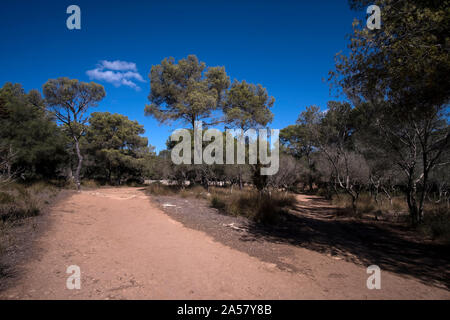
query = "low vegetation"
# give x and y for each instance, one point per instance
(436, 222)
(266, 208)
(20, 201)
(394, 209)
(159, 189)
(263, 208)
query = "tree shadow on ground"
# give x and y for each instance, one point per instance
(392, 247)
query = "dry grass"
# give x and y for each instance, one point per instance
(159, 189)
(195, 191)
(248, 202)
(263, 208)
(366, 204)
(89, 184)
(20, 201)
(436, 224)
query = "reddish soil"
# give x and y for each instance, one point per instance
(128, 248)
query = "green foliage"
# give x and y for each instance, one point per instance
(30, 139)
(301, 140)
(69, 100)
(184, 91)
(248, 106)
(116, 148)
(398, 77)
(291, 139)
(406, 61)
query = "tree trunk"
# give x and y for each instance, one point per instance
(424, 190)
(310, 177)
(310, 183)
(388, 196)
(80, 163)
(354, 205)
(412, 204)
(9, 169)
(9, 160)
(240, 178)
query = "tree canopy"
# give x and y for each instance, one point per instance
(248, 106)
(69, 101)
(186, 90)
(29, 137)
(116, 147)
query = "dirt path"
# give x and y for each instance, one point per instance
(127, 248)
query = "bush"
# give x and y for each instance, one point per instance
(196, 191)
(19, 201)
(263, 208)
(366, 204)
(159, 189)
(344, 203)
(436, 223)
(90, 184)
(217, 202)
(135, 182)
(323, 192)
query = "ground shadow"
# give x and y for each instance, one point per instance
(315, 227)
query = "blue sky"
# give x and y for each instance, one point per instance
(287, 46)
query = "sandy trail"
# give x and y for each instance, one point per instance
(127, 248)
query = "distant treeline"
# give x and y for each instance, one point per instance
(34, 147)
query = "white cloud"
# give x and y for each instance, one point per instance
(117, 73)
(118, 65)
(133, 75)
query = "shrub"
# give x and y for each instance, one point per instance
(217, 202)
(159, 189)
(344, 203)
(19, 201)
(436, 223)
(365, 204)
(323, 192)
(90, 184)
(263, 208)
(196, 191)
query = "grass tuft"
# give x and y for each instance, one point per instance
(263, 208)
